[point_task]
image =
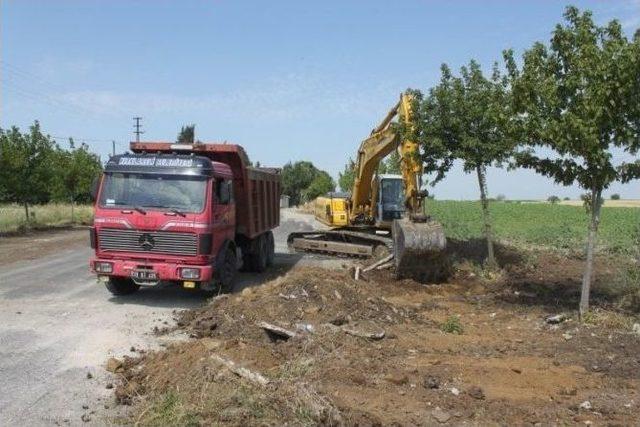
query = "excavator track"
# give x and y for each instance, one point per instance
(348, 243)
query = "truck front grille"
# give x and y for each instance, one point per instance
(150, 242)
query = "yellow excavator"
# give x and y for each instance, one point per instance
(383, 213)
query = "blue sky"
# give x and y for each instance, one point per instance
(288, 80)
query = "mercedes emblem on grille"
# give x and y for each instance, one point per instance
(146, 241)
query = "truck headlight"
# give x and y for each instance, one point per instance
(190, 273)
(103, 267)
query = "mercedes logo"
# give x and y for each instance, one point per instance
(146, 241)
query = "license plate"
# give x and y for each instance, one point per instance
(144, 274)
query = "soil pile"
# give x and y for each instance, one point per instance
(316, 347)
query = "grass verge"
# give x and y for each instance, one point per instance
(12, 216)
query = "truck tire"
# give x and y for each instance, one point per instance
(271, 248)
(227, 273)
(260, 258)
(224, 276)
(121, 286)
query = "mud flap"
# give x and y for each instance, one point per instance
(419, 250)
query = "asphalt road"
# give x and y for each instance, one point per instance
(58, 326)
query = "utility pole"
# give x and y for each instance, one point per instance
(113, 148)
(137, 127)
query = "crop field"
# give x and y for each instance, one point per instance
(12, 216)
(541, 224)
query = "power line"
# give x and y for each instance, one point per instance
(13, 74)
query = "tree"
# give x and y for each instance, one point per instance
(347, 176)
(187, 134)
(75, 170)
(321, 184)
(578, 98)
(467, 118)
(615, 196)
(390, 164)
(25, 166)
(553, 199)
(297, 178)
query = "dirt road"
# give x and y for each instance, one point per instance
(57, 326)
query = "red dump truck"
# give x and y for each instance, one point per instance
(187, 214)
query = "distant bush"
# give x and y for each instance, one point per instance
(566, 198)
(553, 199)
(501, 197)
(615, 196)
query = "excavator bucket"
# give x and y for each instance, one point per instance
(419, 250)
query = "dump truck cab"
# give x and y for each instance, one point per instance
(169, 216)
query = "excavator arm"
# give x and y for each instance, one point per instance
(382, 141)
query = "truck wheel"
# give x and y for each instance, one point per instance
(271, 249)
(260, 258)
(227, 276)
(120, 286)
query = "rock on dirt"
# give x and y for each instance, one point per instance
(636, 329)
(476, 392)
(114, 365)
(586, 405)
(554, 320)
(440, 415)
(431, 383)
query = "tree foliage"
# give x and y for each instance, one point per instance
(321, 184)
(76, 169)
(390, 164)
(466, 118)
(347, 177)
(34, 170)
(26, 168)
(578, 97)
(187, 134)
(298, 177)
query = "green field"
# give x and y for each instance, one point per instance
(12, 216)
(541, 224)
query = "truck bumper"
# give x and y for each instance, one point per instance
(165, 271)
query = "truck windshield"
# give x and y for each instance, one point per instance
(392, 191)
(183, 193)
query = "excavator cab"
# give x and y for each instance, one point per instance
(390, 203)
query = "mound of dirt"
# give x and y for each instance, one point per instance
(316, 347)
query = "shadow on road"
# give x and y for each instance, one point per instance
(173, 296)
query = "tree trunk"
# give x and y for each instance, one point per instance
(488, 233)
(587, 278)
(72, 216)
(26, 213)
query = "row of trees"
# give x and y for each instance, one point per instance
(302, 182)
(35, 170)
(559, 111)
